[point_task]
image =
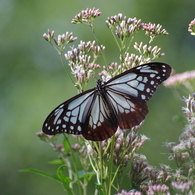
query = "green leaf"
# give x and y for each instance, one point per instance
(41, 173)
(184, 150)
(100, 189)
(66, 145)
(55, 162)
(65, 180)
(86, 175)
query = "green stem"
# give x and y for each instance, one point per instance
(98, 43)
(64, 65)
(110, 166)
(79, 183)
(92, 164)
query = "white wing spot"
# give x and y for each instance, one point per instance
(68, 113)
(66, 119)
(75, 111)
(134, 92)
(140, 78)
(133, 83)
(99, 124)
(101, 118)
(152, 75)
(145, 80)
(141, 87)
(148, 90)
(64, 126)
(130, 104)
(59, 121)
(61, 106)
(73, 120)
(143, 97)
(132, 109)
(152, 82)
(148, 70)
(57, 114)
(121, 109)
(145, 67)
(98, 105)
(79, 128)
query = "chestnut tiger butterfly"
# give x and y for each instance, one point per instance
(119, 102)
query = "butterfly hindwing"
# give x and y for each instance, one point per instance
(101, 122)
(129, 112)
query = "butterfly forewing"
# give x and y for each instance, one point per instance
(120, 102)
(140, 82)
(70, 116)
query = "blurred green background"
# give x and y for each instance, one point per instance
(33, 82)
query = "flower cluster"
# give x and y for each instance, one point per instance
(158, 189)
(155, 29)
(147, 54)
(139, 170)
(49, 36)
(61, 41)
(184, 152)
(123, 192)
(185, 79)
(142, 171)
(184, 187)
(126, 144)
(148, 51)
(86, 16)
(191, 27)
(82, 62)
(124, 26)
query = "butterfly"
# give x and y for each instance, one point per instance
(119, 102)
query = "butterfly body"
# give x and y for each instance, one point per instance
(119, 102)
